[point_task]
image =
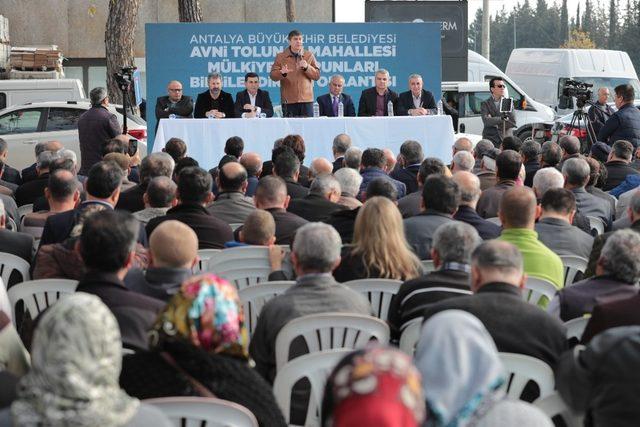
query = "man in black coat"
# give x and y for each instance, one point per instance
(154, 165)
(624, 123)
(287, 166)
(214, 102)
(600, 112)
(619, 164)
(30, 191)
(411, 157)
(416, 101)
(516, 326)
(329, 102)
(175, 103)
(374, 101)
(7, 173)
(320, 203)
(623, 312)
(469, 185)
(253, 101)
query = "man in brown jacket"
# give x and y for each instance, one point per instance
(296, 70)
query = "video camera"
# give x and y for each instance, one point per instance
(124, 78)
(580, 90)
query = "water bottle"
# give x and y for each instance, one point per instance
(172, 116)
(440, 110)
(316, 109)
(390, 109)
(340, 109)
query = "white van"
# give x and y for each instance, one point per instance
(544, 72)
(16, 92)
(480, 69)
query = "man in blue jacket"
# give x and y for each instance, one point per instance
(624, 123)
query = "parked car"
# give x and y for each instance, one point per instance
(23, 126)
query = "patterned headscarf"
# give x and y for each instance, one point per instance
(76, 361)
(206, 312)
(375, 387)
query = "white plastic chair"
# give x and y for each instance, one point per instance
(553, 406)
(427, 266)
(204, 256)
(575, 327)
(203, 411)
(521, 369)
(11, 224)
(9, 263)
(379, 292)
(597, 223)
(243, 266)
(37, 295)
(316, 368)
(234, 226)
(329, 330)
(255, 297)
(535, 288)
(409, 335)
(572, 264)
(24, 209)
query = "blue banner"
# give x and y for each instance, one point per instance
(188, 52)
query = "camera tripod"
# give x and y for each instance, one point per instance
(580, 116)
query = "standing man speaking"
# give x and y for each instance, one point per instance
(296, 70)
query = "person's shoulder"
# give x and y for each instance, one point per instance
(405, 94)
(325, 97)
(162, 99)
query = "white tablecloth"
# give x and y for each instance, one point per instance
(205, 138)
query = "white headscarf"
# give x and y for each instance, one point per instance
(460, 368)
(76, 362)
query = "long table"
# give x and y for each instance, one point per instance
(205, 138)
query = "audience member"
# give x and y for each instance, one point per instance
(554, 225)
(410, 158)
(158, 199)
(62, 194)
(462, 144)
(600, 151)
(469, 185)
(462, 161)
(570, 146)
(516, 326)
(551, 155)
(596, 169)
(482, 147)
(286, 165)
(390, 161)
(74, 378)
(252, 162)
(319, 166)
(440, 199)
(349, 181)
(121, 160)
(176, 148)
(173, 252)
(576, 175)
(508, 164)
(321, 202)
(7, 173)
(30, 172)
(511, 143)
(214, 172)
(296, 143)
(185, 162)
(378, 221)
(619, 164)
(341, 143)
(194, 194)
(451, 254)
(372, 167)
(155, 164)
(14, 243)
(28, 192)
(607, 315)
(231, 205)
(462, 376)
(518, 212)
(409, 205)
(353, 158)
(259, 229)
(267, 166)
(530, 153)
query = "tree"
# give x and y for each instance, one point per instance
(578, 40)
(119, 37)
(613, 24)
(564, 22)
(189, 11)
(291, 10)
(587, 18)
(578, 26)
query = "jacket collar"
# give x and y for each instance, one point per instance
(188, 207)
(159, 276)
(230, 195)
(94, 277)
(554, 221)
(501, 288)
(316, 279)
(431, 212)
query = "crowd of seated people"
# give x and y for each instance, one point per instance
(459, 246)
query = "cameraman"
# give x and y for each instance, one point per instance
(600, 111)
(497, 125)
(624, 123)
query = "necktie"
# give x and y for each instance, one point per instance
(335, 106)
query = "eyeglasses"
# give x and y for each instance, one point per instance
(175, 90)
(500, 86)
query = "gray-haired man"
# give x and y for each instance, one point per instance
(416, 101)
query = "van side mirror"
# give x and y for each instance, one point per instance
(461, 128)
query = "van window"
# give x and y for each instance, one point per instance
(22, 121)
(511, 92)
(63, 118)
(3, 100)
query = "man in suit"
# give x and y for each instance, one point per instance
(619, 164)
(576, 174)
(107, 248)
(253, 101)
(508, 164)
(411, 157)
(30, 191)
(497, 125)
(287, 166)
(7, 173)
(194, 194)
(214, 102)
(623, 312)
(469, 185)
(416, 101)
(374, 101)
(341, 143)
(329, 102)
(516, 326)
(321, 201)
(231, 205)
(410, 205)
(175, 103)
(155, 164)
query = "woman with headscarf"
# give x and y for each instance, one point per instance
(462, 376)
(73, 382)
(199, 348)
(374, 387)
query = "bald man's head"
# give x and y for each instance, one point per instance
(320, 166)
(390, 159)
(518, 208)
(462, 144)
(173, 244)
(232, 177)
(252, 163)
(54, 146)
(469, 185)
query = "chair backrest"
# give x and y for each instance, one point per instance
(521, 369)
(243, 266)
(329, 330)
(379, 292)
(204, 256)
(596, 223)
(575, 327)
(255, 297)
(37, 295)
(203, 411)
(24, 209)
(409, 335)
(572, 264)
(234, 226)
(9, 263)
(427, 266)
(11, 224)
(553, 406)
(316, 368)
(538, 288)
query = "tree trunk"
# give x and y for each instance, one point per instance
(291, 10)
(119, 36)
(189, 11)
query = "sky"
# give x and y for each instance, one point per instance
(353, 10)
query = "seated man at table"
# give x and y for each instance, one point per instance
(214, 102)
(374, 101)
(175, 103)
(416, 101)
(253, 101)
(329, 102)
